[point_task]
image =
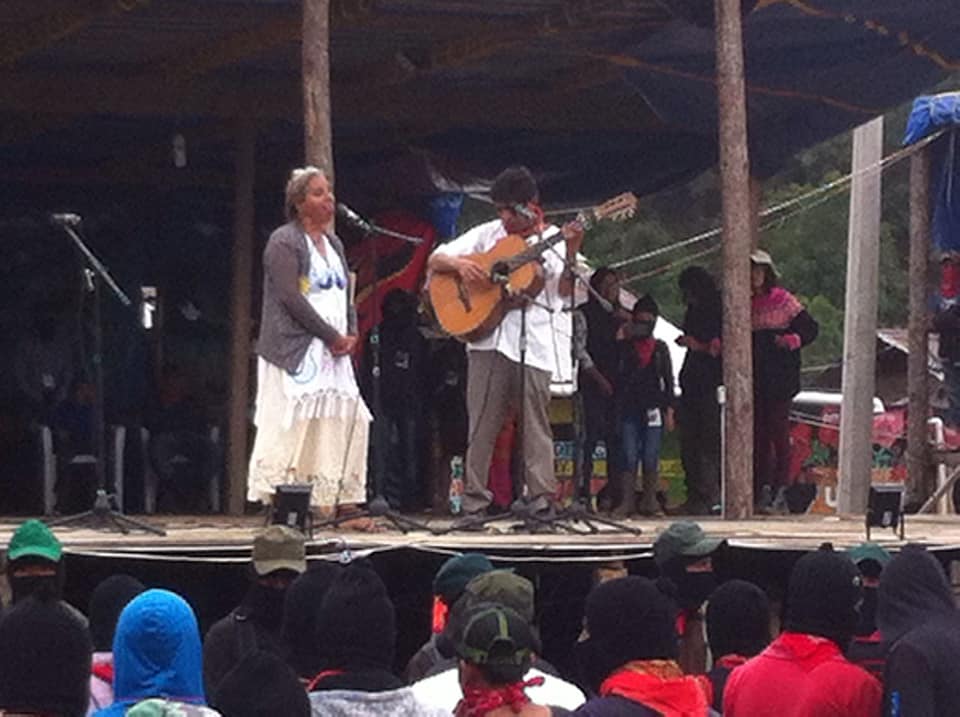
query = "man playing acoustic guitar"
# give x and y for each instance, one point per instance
(494, 368)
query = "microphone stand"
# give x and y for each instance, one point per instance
(378, 506)
(101, 515)
(531, 520)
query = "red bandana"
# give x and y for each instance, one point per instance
(661, 686)
(103, 671)
(478, 702)
(643, 348)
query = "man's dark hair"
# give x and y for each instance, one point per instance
(646, 304)
(599, 276)
(514, 185)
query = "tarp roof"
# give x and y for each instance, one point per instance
(598, 96)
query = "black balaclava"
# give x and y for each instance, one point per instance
(303, 597)
(261, 685)
(626, 619)
(868, 610)
(356, 624)
(913, 589)
(107, 601)
(738, 619)
(692, 588)
(45, 661)
(44, 587)
(823, 596)
(264, 604)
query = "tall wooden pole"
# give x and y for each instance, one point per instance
(918, 396)
(317, 130)
(241, 267)
(860, 319)
(737, 241)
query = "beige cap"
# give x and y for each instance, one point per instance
(279, 548)
(762, 258)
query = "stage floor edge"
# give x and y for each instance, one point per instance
(229, 539)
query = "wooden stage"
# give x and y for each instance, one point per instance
(225, 539)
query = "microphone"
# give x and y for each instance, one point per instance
(352, 218)
(68, 219)
(524, 211)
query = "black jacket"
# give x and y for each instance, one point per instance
(229, 639)
(701, 372)
(919, 622)
(776, 371)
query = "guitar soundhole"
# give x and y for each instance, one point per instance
(500, 273)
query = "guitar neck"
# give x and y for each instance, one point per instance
(546, 242)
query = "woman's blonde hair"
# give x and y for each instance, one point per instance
(297, 188)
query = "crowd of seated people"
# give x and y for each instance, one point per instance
(861, 633)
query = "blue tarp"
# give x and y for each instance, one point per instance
(931, 114)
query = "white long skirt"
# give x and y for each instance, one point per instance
(325, 446)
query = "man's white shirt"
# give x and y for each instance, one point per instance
(542, 351)
(443, 691)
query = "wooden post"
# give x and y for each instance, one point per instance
(737, 240)
(918, 397)
(241, 278)
(860, 319)
(317, 131)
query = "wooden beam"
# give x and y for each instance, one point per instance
(737, 336)
(860, 320)
(67, 19)
(317, 123)
(241, 292)
(918, 328)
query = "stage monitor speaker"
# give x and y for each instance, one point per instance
(885, 508)
(291, 507)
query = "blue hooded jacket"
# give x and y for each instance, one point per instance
(156, 653)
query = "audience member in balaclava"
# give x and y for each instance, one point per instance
(35, 565)
(803, 672)
(106, 603)
(45, 660)
(278, 557)
(684, 555)
(918, 620)
(867, 648)
(738, 628)
(504, 588)
(494, 647)
(357, 632)
(627, 655)
(302, 649)
(261, 685)
(448, 585)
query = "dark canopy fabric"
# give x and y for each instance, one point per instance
(814, 69)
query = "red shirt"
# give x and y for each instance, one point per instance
(801, 675)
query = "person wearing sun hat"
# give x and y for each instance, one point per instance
(781, 327)
(278, 557)
(683, 553)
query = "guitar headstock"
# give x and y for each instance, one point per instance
(616, 209)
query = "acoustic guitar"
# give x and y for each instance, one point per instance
(471, 311)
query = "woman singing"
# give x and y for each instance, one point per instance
(311, 421)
